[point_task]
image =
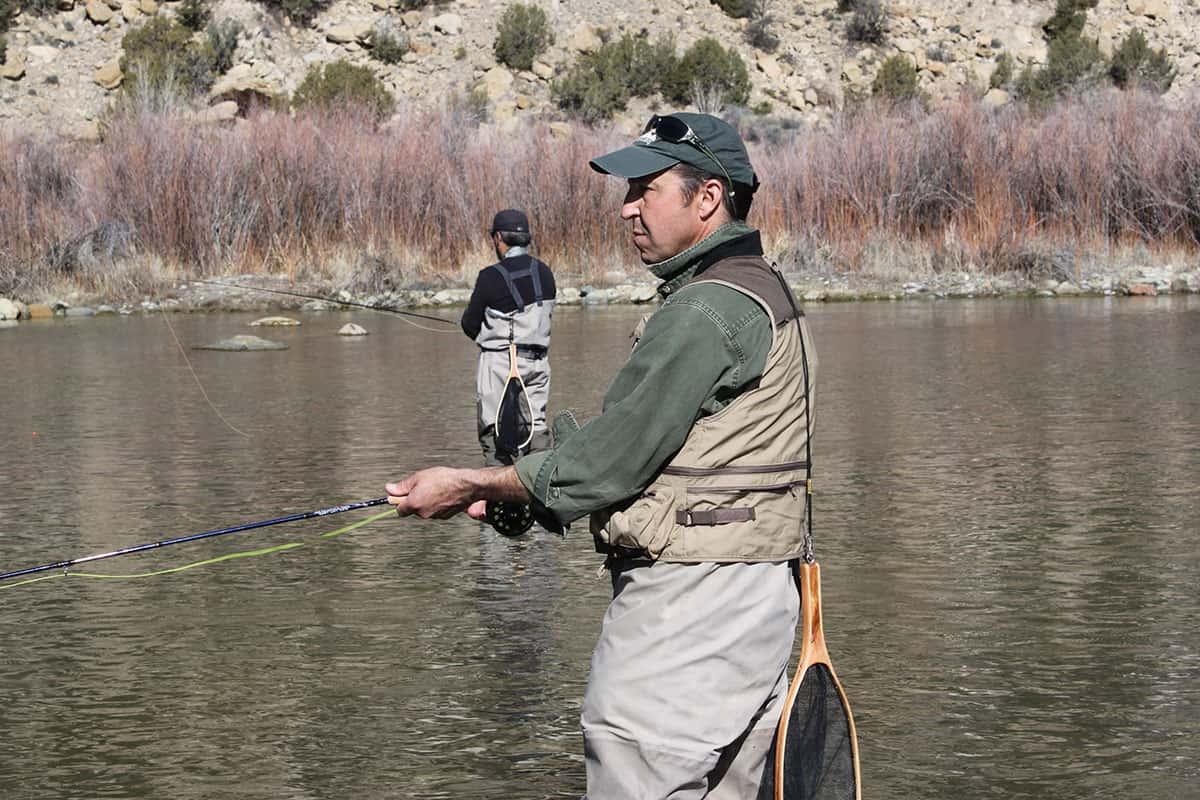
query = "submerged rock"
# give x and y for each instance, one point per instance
(242, 343)
(275, 322)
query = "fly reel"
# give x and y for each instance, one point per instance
(509, 519)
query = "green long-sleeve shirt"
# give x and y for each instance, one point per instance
(700, 350)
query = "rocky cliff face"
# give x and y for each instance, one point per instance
(62, 69)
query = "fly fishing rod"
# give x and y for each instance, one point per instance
(324, 512)
(286, 293)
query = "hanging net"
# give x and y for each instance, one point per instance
(514, 416)
(818, 754)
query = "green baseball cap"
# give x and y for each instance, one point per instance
(702, 140)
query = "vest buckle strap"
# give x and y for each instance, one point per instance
(717, 516)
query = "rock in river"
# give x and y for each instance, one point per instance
(242, 342)
(275, 322)
(350, 329)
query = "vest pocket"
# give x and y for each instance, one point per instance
(647, 524)
(740, 522)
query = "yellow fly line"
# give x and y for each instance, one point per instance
(66, 573)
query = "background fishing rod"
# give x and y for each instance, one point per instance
(324, 512)
(330, 300)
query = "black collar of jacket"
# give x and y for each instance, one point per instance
(749, 244)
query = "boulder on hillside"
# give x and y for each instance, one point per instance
(224, 111)
(584, 40)
(1159, 9)
(448, 24)
(14, 66)
(349, 32)
(109, 75)
(99, 12)
(243, 87)
(495, 82)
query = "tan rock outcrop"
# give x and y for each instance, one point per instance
(109, 75)
(14, 65)
(99, 12)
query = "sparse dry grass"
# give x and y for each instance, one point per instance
(881, 191)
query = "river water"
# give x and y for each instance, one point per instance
(1007, 514)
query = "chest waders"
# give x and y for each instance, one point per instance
(513, 422)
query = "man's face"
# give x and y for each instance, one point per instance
(663, 225)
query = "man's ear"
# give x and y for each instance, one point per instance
(712, 195)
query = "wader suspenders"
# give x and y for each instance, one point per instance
(532, 272)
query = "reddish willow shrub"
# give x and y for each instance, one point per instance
(276, 191)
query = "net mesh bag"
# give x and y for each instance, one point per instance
(818, 752)
(514, 421)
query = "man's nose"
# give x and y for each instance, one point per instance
(630, 209)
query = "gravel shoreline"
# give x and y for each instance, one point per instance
(238, 293)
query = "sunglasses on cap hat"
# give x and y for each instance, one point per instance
(676, 131)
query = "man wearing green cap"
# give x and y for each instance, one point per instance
(694, 477)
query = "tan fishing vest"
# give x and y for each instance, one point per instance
(736, 490)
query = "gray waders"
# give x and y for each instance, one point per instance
(528, 327)
(688, 680)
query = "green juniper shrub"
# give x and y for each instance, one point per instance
(735, 8)
(650, 63)
(301, 12)
(1068, 19)
(1072, 62)
(1002, 75)
(845, 6)
(37, 8)
(387, 46)
(522, 34)
(3, 50)
(340, 84)
(1134, 62)
(460, 53)
(707, 66)
(758, 31)
(222, 42)
(162, 53)
(194, 14)
(8, 10)
(869, 24)
(600, 83)
(897, 80)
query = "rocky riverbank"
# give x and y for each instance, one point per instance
(240, 292)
